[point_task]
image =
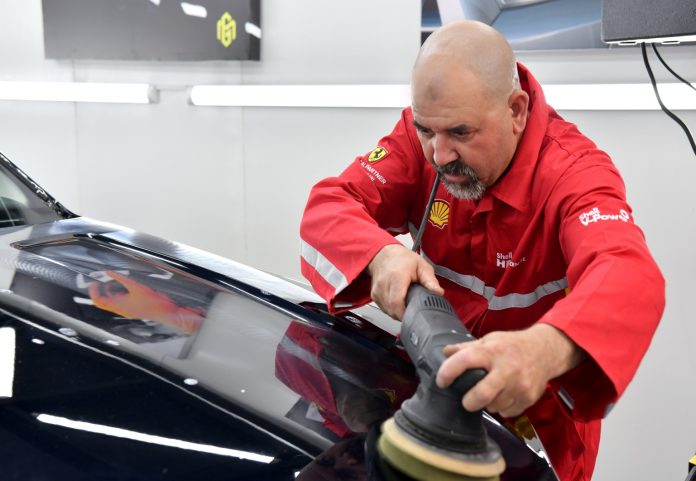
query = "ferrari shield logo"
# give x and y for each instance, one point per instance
(377, 154)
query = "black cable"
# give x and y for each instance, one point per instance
(419, 234)
(659, 100)
(654, 47)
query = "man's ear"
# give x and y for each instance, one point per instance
(518, 104)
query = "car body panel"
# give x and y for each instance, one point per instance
(140, 358)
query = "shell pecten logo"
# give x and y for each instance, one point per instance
(439, 214)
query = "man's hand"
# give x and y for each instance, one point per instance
(519, 364)
(393, 270)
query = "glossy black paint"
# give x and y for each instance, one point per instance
(188, 356)
(79, 383)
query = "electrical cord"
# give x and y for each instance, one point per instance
(419, 234)
(654, 47)
(669, 113)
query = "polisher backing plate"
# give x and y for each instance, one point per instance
(412, 469)
(429, 463)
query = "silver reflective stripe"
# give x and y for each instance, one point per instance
(324, 267)
(498, 303)
(525, 300)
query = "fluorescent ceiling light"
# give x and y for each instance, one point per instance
(78, 92)
(676, 96)
(149, 438)
(7, 360)
(301, 95)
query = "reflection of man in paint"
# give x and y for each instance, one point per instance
(343, 460)
(129, 298)
(337, 375)
(112, 290)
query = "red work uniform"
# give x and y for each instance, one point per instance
(552, 241)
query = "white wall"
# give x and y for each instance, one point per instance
(234, 181)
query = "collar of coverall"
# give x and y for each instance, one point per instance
(513, 187)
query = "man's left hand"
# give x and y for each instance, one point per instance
(519, 365)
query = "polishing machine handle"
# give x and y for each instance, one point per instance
(429, 324)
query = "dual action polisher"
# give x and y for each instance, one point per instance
(432, 437)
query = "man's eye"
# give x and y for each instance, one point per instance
(460, 133)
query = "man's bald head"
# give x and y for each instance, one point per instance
(468, 109)
(471, 47)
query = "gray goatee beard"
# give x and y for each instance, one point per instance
(471, 190)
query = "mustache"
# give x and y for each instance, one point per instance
(458, 168)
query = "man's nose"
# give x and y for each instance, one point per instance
(443, 151)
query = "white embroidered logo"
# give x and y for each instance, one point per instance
(505, 260)
(595, 215)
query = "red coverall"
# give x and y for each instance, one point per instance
(552, 241)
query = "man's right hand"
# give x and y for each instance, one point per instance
(393, 270)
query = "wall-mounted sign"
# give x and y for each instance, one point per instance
(152, 29)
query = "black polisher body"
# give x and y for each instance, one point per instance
(434, 417)
(433, 414)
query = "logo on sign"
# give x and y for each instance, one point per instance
(226, 29)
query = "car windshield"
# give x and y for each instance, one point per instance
(23, 202)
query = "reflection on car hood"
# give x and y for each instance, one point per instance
(263, 353)
(198, 316)
(173, 250)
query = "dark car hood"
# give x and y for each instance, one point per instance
(209, 322)
(31, 237)
(254, 346)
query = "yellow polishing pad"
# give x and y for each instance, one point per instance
(429, 463)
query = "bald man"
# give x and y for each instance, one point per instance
(529, 237)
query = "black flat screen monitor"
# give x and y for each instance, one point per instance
(638, 21)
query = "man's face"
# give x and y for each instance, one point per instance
(465, 135)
